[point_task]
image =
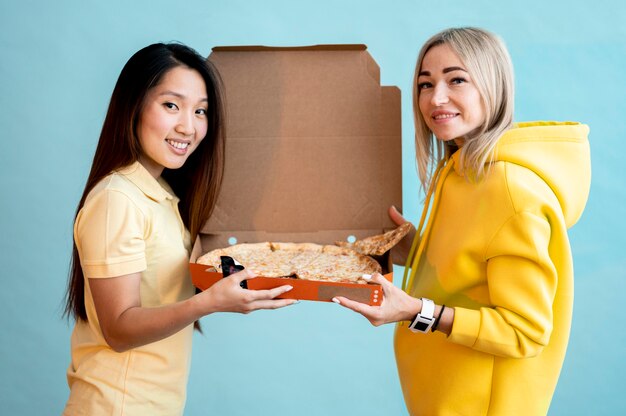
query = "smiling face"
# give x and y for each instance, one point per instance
(173, 120)
(448, 100)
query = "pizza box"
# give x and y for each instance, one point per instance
(302, 289)
(313, 154)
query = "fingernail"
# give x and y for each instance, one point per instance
(288, 288)
(367, 277)
(336, 301)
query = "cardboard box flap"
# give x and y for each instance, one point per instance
(313, 145)
(300, 93)
(329, 47)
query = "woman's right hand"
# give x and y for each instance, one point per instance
(400, 252)
(396, 305)
(228, 296)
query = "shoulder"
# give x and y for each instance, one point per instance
(111, 204)
(118, 186)
(525, 189)
(115, 197)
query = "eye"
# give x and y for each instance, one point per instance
(458, 80)
(170, 106)
(201, 111)
(424, 85)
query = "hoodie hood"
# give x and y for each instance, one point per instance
(559, 153)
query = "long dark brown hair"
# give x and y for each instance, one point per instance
(196, 183)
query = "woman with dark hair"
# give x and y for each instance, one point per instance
(484, 315)
(153, 183)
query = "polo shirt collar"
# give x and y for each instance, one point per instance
(150, 186)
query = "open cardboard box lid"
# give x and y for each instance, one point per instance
(313, 152)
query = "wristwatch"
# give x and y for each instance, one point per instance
(424, 320)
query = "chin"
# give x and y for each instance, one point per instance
(175, 165)
(444, 138)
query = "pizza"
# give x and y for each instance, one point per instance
(378, 245)
(342, 262)
(297, 260)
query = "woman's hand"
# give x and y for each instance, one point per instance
(396, 306)
(228, 296)
(400, 252)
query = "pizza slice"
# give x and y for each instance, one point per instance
(378, 245)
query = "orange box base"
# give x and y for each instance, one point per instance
(371, 294)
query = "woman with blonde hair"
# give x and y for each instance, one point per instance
(484, 316)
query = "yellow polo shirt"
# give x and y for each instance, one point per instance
(130, 223)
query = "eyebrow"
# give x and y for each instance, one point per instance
(445, 70)
(175, 94)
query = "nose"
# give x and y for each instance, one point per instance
(185, 124)
(440, 95)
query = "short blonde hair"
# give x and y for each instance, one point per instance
(488, 62)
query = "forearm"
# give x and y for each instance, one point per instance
(446, 320)
(138, 325)
(126, 324)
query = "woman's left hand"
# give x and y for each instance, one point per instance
(396, 305)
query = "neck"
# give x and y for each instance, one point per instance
(153, 168)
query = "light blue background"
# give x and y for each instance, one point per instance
(58, 64)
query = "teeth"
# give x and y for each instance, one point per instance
(178, 145)
(442, 116)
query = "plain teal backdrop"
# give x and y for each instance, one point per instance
(58, 64)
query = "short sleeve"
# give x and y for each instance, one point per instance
(109, 234)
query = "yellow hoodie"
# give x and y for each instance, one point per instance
(497, 251)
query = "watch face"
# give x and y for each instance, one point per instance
(420, 326)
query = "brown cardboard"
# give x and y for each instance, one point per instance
(313, 151)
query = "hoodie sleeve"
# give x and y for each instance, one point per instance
(522, 284)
